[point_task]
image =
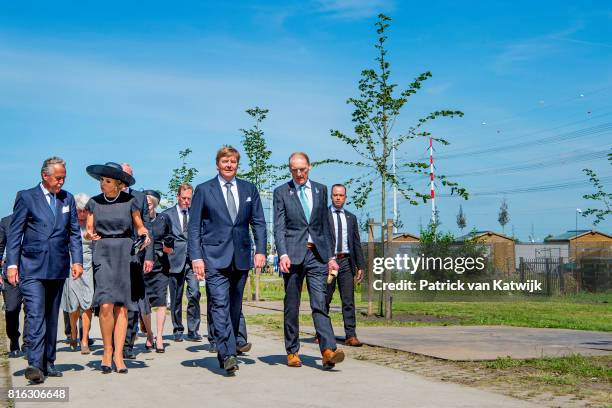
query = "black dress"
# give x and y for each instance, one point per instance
(114, 280)
(156, 281)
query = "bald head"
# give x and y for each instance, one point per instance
(127, 168)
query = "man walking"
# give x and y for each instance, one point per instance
(44, 237)
(303, 240)
(222, 211)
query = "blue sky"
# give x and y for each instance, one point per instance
(120, 82)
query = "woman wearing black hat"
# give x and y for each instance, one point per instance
(113, 216)
(156, 281)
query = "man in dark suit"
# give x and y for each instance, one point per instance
(44, 237)
(303, 240)
(180, 270)
(141, 262)
(349, 255)
(12, 298)
(220, 246)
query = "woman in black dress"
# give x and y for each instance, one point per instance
(156, 281)
(113, 217)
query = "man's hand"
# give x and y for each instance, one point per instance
(77, 271)
(167, 250)
(148, 266)
(332, 265)
(359, 276)
(260, 260)
(199, 269)
(284, 264)
(13, 275)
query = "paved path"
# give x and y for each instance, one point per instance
(188, 375)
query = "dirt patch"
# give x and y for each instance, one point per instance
(414, 318)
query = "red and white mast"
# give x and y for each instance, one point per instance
(431, 181)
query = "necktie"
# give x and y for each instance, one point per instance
(339, 236)
(231, 203)
(185, 220)
(304, 202)
(52, 202)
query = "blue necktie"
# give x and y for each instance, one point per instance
(52, 202)
(304, 202)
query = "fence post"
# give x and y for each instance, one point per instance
(561, 277)
(257, 282)
(522, 269)
(370, 266)
(248, 287)
(548, 291)
(387, 293)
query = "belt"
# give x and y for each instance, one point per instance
(341, 256)
(124, 235)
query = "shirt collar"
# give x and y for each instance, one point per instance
(223, 181)
(44, 190)
(180, 210)
(306, 184)
(334, 209)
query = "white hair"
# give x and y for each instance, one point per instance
(81, 200)
(49, 164)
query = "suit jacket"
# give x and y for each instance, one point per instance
(291, 228)
(354, 241)
(211, 234)
(178, 257)
(40, 244)
(141, 199)
(4, 228)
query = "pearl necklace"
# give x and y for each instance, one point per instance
(110, 201)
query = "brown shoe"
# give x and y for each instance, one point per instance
(293, 360)
(353, 342)
(331, 358)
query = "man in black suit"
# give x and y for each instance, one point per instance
(141, 262)
(180, 270)
(12, 299)
(303, 240)
(349, 255)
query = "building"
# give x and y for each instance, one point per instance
(501, 248)
(583, 243)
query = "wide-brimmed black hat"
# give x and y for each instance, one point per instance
(152, 193)
(110, 170)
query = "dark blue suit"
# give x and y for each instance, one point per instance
(225, 247)
(41, 244)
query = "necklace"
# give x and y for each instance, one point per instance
(110, 201)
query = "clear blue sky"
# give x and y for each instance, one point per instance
(112, 81)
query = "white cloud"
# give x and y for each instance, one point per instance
(353, 9)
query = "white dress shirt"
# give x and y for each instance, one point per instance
(179, 210)
(233, 189)
(345, 248)
(46, 193)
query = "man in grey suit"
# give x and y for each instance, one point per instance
(303, 239)
(180, 270)
(141, 262)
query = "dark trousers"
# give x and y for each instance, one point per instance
(176, 286)
(226, 287)
(13, 300)
(346, 286)
(241, 337)
(133, 317)
(42, 300)
(314, 270)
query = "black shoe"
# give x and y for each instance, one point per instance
(35, 375)
(245, 348)
(178, 337)
(129, 355)
(122, 371)
(106, 369)
(14, 353)
(230, 364)
(90, 342)
(52, 371)
(194, 337)
(212, 348)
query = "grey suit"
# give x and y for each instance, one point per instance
(181, 272)
(291, 231)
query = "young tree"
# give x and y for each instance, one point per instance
(376, 111)
(260, 172)
(601, 195)
(461, 222)
(183, 174)
(504, 216)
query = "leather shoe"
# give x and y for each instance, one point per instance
(212, 348)
(331, 358)
(106, 369)
(193, 337)
(353, 342)
(129, 355)
(230, 364)
(245, 348)
(52, 371)
(35, 375)
(14, 353)
(293, 360)
(178, 337)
